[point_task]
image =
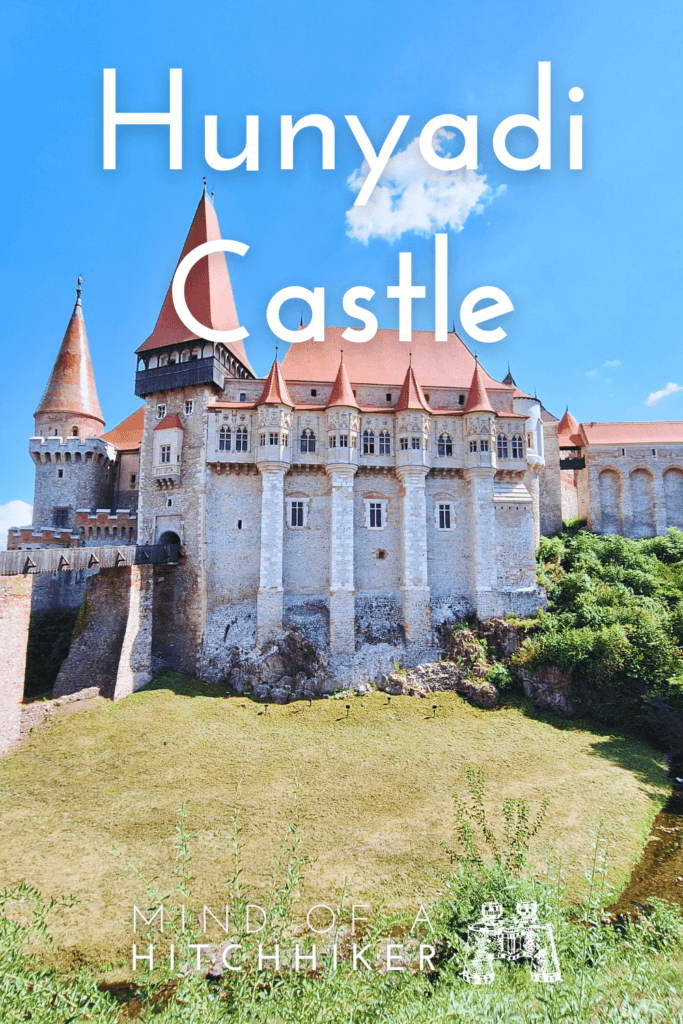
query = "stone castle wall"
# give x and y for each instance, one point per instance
(637, 494)
(70, 474)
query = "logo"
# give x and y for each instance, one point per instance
(515, 938)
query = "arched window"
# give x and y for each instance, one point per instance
(74, 431)
(368, 442)
(224, 437)
(517, 447)
(502, 446)
(307, 440)
(241, 440)
(77, 457)
(384, 442)
(444, 445)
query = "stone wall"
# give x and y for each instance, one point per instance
(15, 613)
(71, 474)
(636, 491)
(551, 496)
(112, 642)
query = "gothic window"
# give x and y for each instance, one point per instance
(445, 445)
(404, 444)
(444, 515)
(224, 439)
(416, 443)
(502, 446)
(262, 439)
(483, 446)
(343, 440)
(307, 440)
(517, 447)
(189, 407)
(368, 442)
(529, 440)
(384, 442)
(333, 441)
(161, 412)
(473, 446)
(241, 440)
(273, 438)
(165, 453)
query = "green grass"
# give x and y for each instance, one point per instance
(99, 790)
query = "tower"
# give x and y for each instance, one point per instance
(74, 465)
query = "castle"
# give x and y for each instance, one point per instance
(363, 493)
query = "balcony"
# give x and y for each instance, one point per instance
(179, 375)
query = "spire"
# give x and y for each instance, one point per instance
(477, 399)
(71, 390)
(342, 392)
(275, 389)
(569, 427)
(208, 290)
(509, 379)
(412, 395)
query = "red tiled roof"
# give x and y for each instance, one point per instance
(170, 421)
(208, 291)
(412, 395)
(663, 432)
(477, 398)
(382, 360)
(127, 436)
(275, 389)
(342, 392)
(71, 387)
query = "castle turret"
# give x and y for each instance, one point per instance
(70, 407)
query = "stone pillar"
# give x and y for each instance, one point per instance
(417, 616)
(270, 596)
(483, 547)
(135, 660)
(659, 504)
(626, 510)
(533, 483)
(342, 590)
(15, 613)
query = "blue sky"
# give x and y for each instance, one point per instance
(589, 258)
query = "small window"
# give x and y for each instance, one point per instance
(307, 440)
(444, 515)
(189, 407)
(404, 444)
(388, 396)
(654, 453)
(239, 524)
(529, 440)
(169, 503)
(473, 446)
(285, 440)
(444, 445)
(241, 440)
(74, 432)
(375, 515)
(314, 392)
(273, 438)
(483, 446)
(623, 451)
(161, 412)
(224, 439)
(381, 554)
(297, 513)
(384, 442)
(165, 453)
(332, 443)
(368, 442)
(60, 474)
(61, 517)
(416, 443)
(461, 400)
(343, 440)
(243, 397)
(502, 446)
(517, 447)
(262, 440)
(133, 479)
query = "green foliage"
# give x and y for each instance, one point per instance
(501, 677)
(49, 639)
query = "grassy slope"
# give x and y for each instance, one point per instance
(376, 789)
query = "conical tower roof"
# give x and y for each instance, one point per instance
(477, 399)
(509, 379)
(569, 429)
(342, 392)
(275, 389)
(71, 388)
(412, 396)
(208, 291)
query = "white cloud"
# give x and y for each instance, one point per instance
(613, 362)
(411, 195)
(13, 513)
(656, 396)
(591, 373)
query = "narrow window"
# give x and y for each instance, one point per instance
(415, 443)
(502, 446)
(473, 446)
(307, 440)
(165, 453)
(243, 397)
(654, 453)
(461, 400)
(529, 440)
(297, 513)
(60, 473)
(224, 439)
(483, 446)
(314, 392)
(189, 407)
(262, 439)
(161, 412)
(445, 445)
(333, 441)
(517, 447)
(343, 440)
(74, 432)
(444, 516)
(388, 396)
(384, 442)
(285, 440)
(241, 439)
(375, 515)
(133, 479)
(404, 444)
(239, 524)
(368, 442)
(623, 451)
(273, 438)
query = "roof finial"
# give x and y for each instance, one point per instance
(453, 331)
(410, 359)
(78, 289)
(301, 319)
(276, 348)
(204, 180)
(341, 350)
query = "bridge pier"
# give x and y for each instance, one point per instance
(15, 614)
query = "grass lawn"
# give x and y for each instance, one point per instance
(99, 790)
